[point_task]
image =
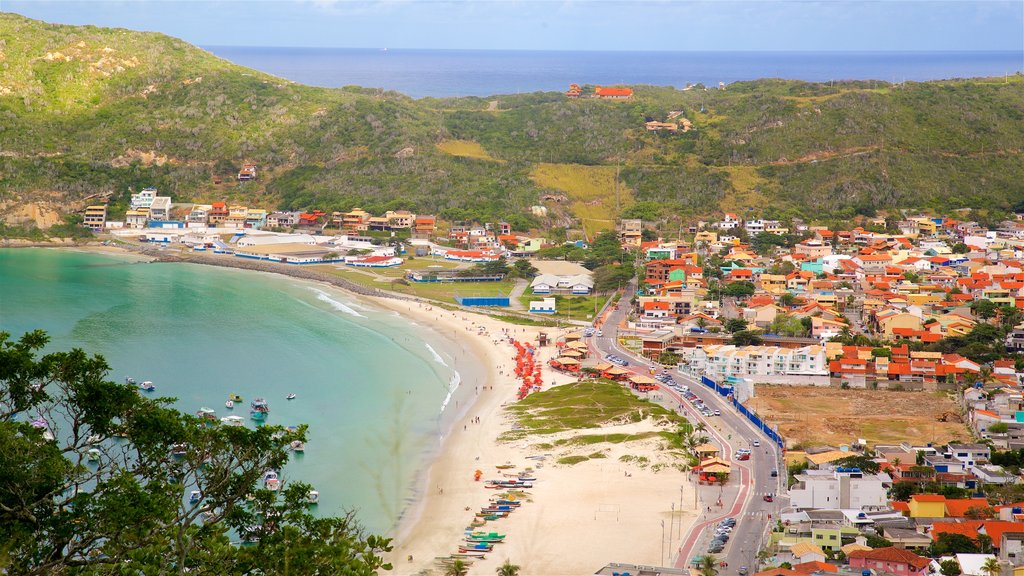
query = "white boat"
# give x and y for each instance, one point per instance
(298, 446)
(93, 455)
(94, 439)
(229, 404)
(206, 413)
(313, 498)
(269, 475)
(232, 421)
(147, 386)
(272, 484)
(195, 496)
(290, 396)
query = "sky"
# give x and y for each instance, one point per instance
(808, 25)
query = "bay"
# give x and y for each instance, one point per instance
(366, 381)
(443, 73)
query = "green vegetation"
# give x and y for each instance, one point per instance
(61, 513)
(89, 110)
(571, 307)
(587, 404)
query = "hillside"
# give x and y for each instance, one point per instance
(88, 110)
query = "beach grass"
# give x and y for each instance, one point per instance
(571, 307)
(587, 404)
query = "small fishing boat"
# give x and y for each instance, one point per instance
(486, 534)
(273, 484)
(234, 397)
(93, 455)
(195, 496)
(467, 549)
(313, 498)
(290, 396)
(179, 450)
(230, 405)
(232, 421)
(206, 413)
(298, 446)
(505, 466)
(479, 555)
(147, 386)
(482, 547)
(129, 380)
(94, 439)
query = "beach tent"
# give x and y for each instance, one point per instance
(706, 451)
(614, 373)
(643, 383)
(577, 345)
(572, 353)
(571, 336)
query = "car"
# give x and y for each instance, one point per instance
(757, 443)
(600, 333)
(716, 548)
(718, 412)
(743, 570)
(769, 497)
(775, 473)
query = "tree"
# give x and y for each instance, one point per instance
(991, 567)
(876, 541)
(668, 359)
(708, 565)
(507, 569)
(611, 277)
(949, 567)
(960, 248)
(949, 543)
(60, 512)
(979, 513)
(787, 299)
(857, 461)
(746, 338)
(984, 308)
(457, 567)
(733, 325)
(999, 428)
(739, 289)
(524, 269)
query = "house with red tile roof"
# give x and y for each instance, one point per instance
(891, 560)
(613, 93)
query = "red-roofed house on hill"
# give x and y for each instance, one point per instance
(612, 93)
(892, 560)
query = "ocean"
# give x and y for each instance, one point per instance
(442, 73)
(369, 383)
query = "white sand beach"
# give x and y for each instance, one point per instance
(580, 517)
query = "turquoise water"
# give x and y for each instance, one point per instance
(367, 383)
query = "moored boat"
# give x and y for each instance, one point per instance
(229, 405)
(234, 397)
(195, 496)
(232, 421)
(298, 446)
(259, 409)
(290, 396)
(313, 498)
(147, 386)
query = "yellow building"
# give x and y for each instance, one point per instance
(927, 506)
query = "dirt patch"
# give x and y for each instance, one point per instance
(38, 213)
(815, 416)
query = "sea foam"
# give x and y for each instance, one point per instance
(437, 357)
(325, 297)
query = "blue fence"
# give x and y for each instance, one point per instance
(726, 391)
(483, 300)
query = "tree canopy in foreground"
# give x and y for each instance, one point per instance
(96, 477)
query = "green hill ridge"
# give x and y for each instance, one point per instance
(87, 110)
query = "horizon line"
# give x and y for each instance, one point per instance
(639, 51)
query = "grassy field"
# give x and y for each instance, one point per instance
(581, 405)
(571, 307)
(466, 149)
(813, 416)
(591, 190)
(746, 181)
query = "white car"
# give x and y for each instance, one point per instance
(718, 412)
(600, 333)
(757, 444)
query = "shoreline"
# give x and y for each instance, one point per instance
(567, 526)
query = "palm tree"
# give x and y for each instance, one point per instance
(507, 569)
(708, 565)
(457, 568)
(991, 567)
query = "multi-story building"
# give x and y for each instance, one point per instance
(200, 214)
(95, 218)
(282, 219)
(400, 219)
(143, 199)
(218, 213)
(136, 218)
(842, 488)
(631, 232)
(160, 208)
(723, 361)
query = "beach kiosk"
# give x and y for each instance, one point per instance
(706, 451)
(713, 471)
(642, 383)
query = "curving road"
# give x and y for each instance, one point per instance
(742, 497)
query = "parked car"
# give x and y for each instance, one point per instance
(600, 333)
(718, 412)
(775, 473)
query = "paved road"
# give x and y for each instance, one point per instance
(742, 497)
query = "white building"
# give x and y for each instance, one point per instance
(543, 306)
(725, 360)
(270, 239)
(200, 214)
(143, 199)
(554, 283)
(970, 454)
(729, 222)
(840, 488)
(754, 226)
(160, 208)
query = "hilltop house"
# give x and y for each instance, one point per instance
(610, 93)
